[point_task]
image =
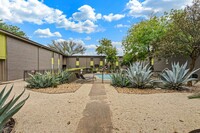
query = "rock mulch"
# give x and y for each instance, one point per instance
(64, 88)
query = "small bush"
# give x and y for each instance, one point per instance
(63, 77)
(139, 74)
(42, 80)
(195, 95)
(175, 78)
(119, 79)
(10, 108)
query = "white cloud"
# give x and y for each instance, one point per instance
(86, 12)
(91, 46)
(46, 33)
(147, 7)
(118, 46)
(34, 11)
(88, 38)
(113, 17)
(122, 26)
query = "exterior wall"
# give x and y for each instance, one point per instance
(20, 56)
(160, 65)
(25, 56)
(3, 72)
(55, 61)
(71, 62)
(44, 59)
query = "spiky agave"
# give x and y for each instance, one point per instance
(139, 74)
(176, 77)
(119, 79)
(10, 108)
(42, 80)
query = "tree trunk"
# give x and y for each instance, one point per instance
(192, 65)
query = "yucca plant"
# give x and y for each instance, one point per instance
(10, 108)
(63, 77)
(139, 74)
(119, 79)
(175, 78)
(42, 80)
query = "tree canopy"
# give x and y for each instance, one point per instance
(68, 47)
(141, 40)
(13, 29)
(106, 48)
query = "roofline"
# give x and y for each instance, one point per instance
(28, 41)
(88, 56)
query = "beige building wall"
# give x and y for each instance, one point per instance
(45, 59)
(20, 56)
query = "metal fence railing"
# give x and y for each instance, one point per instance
(27, 72)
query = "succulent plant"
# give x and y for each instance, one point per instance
(10, 108)
(42, 80)
(139, 74)
(119, 79)
(63, 77)
(176, 77)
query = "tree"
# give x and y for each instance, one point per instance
(13, 29)
(182, 37)
(68, 47)
(106, 48)
(141, 41)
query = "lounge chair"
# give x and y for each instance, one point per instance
(77, 76)
(86, 78)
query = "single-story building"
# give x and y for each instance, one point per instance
(18, 54)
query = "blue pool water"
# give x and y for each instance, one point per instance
(105, 76)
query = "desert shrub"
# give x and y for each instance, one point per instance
(10, 108)
(42, 80)
(175, 78)
(195, 95)
(139, 74)
(119, 79)
(63, 77)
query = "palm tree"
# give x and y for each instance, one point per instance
(68, 47)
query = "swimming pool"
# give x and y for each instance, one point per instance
(105, 76)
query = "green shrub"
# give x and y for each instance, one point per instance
(10, 108)
(175, 78)
(139, 74)
(42, 80)
(119, 79)
(195, 95)
(63, 76)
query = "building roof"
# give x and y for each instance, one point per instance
(27, 40)
(89, 56)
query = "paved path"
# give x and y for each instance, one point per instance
(97, 115)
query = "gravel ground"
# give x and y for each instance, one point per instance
(131, 113)
(153, 113)
(50, 112)
(64, 88)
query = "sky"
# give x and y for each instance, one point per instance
(83, 21)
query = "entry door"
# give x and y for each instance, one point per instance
(2, 70)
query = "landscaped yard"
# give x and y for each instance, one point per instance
(162, 112)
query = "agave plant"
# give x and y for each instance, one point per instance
(119, 79)
(42, 80)
(10, 108)
(139, 74)
(176, 77)
(63, 77)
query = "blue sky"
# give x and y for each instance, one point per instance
(83, 21)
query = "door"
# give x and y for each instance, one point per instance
(2, 70)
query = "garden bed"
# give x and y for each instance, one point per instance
(64, 88)
(148, 91)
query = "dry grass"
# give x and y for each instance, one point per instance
(64, 88)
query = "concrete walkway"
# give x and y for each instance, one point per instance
(96, 115)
